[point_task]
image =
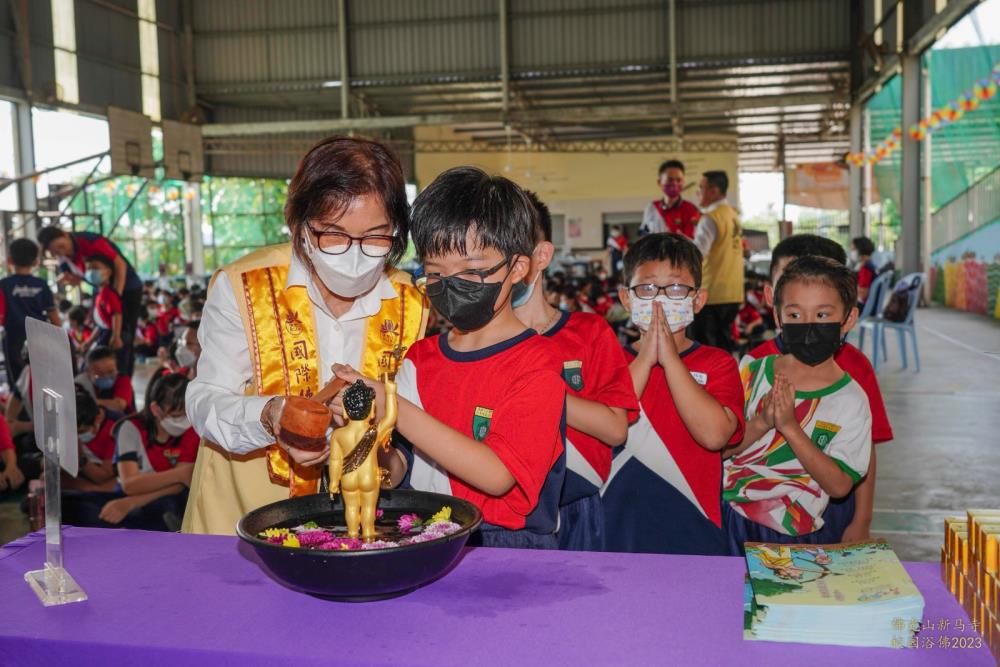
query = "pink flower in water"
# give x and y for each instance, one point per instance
(340, 544)
(441, 528)
(313, 538)
(378, 544)
(379, 512)
(408, 522)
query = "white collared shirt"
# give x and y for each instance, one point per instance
(706, 231)
(215, 400)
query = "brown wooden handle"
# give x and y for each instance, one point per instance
(332, 388)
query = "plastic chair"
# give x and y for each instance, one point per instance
(877, 293)
(911, 284)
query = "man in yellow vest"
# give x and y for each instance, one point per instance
(276, 321)
(719, 236)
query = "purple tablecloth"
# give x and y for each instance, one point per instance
(158, 598)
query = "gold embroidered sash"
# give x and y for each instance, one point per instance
(285, 359)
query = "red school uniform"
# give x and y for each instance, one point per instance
(594, 367)
(165, 320)
(154, 456)
(107, 304)
(680, 218)
(6, 441)
(664, 491)
(122, 389)
(508, 396)
(103, 444)
(855, 364)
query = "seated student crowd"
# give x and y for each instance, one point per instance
(538, 415)
(96, 334)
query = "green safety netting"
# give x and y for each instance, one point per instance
(965, 151)
(885, 114)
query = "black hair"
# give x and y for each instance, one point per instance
(47, 235)
(719, 180)
(543, 219)
(358, 400)
(664, 246)
(87, 409)
(497, 211)
(23, 253)
(104, 261)
(167, 391)
(670, 164)
(194, 324)
(803, 245)
(98, 353)
(77, 314)
(864, 246)
(823, 270)
(65, 305)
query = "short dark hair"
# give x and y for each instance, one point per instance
(497, 211)
(803, 245)
(167, 391)
(101, 259)
(358, 400)
(543, 219)
(99, 353)
(823, 270)
(719, 180)
(670, 164)
(664, 246)
(77, 314)
(23, 253)
(47, 235)
(334, 173)
(87, 409)
(864, 245)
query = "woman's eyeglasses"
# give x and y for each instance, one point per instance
(337, 243)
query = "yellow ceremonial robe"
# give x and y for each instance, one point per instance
(281, 339)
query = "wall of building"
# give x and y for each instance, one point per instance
(583, 187)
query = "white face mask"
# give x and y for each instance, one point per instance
(526, 292)
(175, 425)
(348, 275)
(679, 312)
(87, 437)
(185, 357)
(853, 256)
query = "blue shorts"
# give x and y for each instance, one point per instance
(581, 525)
(489, 535)
(837, 516)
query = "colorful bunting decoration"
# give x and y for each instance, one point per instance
(982, 90)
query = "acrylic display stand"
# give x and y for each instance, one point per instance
(54, 403)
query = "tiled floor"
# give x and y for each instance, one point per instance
(946, 419)
(946, 455)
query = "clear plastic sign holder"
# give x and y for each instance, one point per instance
(54, 411)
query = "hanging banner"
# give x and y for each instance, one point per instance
(984, 89)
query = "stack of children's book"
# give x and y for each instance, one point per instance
(855, 594)
(970, 559)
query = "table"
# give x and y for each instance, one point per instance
(162, 598)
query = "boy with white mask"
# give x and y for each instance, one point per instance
(600, 400)
(277, 320)
(663, 493)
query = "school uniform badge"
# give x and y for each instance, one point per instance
(481, 423)
(573, 374)
(823, 433)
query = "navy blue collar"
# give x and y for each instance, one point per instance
(478, 355)
(560, 323)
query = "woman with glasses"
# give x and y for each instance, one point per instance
(276, 321)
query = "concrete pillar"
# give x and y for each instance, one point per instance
(194, 250)
(911, 230)
(25, 163)
(856, 175)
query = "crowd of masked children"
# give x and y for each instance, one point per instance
(574, 411)
(130, 449)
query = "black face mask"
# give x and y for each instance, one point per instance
(467, 304)
(811, 343)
